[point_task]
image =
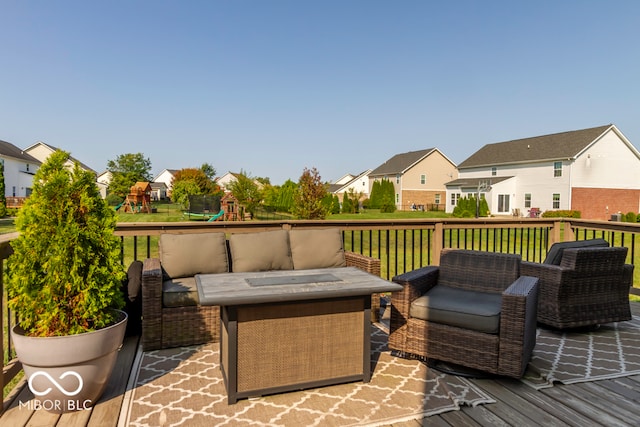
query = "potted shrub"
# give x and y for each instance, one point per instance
(64, 284)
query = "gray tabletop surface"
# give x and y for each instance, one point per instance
(288, 285)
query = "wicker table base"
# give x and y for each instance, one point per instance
(277, 347)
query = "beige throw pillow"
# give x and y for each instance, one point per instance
(184, 255)
(316, 248)
(262, 251)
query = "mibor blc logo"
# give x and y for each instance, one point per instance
(42, 390)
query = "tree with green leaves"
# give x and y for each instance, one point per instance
(246, 191)
(308, 198)
(192, 182)
(126, 170)
(208, 170)
(387, 196)
(280, 197)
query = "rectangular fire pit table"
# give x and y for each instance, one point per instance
(292, 330)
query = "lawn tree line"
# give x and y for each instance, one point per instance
(307, 199)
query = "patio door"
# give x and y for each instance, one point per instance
(503, 203)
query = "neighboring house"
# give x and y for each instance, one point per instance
(419, 178)
(42, 151)
(166, 176)
(224, 180)
(595, 171)
(358, 183)
(158, 191)
(19, 168)
(229, 177)
(104, 179)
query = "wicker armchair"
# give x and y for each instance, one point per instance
(165, 327)
(590, 286)
(474, 310)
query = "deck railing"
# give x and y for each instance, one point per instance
(401, 245)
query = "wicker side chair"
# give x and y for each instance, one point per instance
(473, 310)
(165, 327)
(589, 287)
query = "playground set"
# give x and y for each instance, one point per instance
(138, 200)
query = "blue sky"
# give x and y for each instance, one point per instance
(272, 86)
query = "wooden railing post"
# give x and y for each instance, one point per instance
(438, 242)
(568, 232)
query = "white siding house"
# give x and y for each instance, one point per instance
(359, 184)
(19, 168)
(595, 171)
(166, 177)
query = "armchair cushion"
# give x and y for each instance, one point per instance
(185, 255)
(264, 251)
(554, 256)
(477, 311)
(316, 248)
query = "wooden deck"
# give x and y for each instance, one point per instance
(614, 402)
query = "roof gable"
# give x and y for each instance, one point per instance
(562, 145)
(401, 162)
(7, 149)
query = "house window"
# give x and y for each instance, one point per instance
(27, 167)
(397, 198)
(454, 198)
(423, 179)
(398, 179)
(494, 171)
(556, 201)
(557, 169)
(13, 191)
(503, 203)
(437, 200)
(527, 200)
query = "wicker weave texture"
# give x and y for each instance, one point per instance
(504, 354)
(591, 286)
(299, 343)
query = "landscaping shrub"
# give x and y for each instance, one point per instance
(561, 214)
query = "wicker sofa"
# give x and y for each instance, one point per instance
(474, 310)
(171, 314)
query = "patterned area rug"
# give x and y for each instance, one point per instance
(610, 351)
(184, 387)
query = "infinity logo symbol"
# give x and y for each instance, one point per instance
(55, 383)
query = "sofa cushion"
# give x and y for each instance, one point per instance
(180, 292)
(554, 256)
(477, 311)
(185, 255)
(263, 251)
(316, 248)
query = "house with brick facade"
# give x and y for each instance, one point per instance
(418, 177)
(595, 171)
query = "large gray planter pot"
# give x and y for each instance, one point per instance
(69, 373)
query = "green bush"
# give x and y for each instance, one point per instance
(65, 273)
(561, 214)
(630, 217)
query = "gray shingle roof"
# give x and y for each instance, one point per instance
(9, 150)
(401, 162)
(562, 145)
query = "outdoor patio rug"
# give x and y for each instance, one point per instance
(183, 387)
(610, 351)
